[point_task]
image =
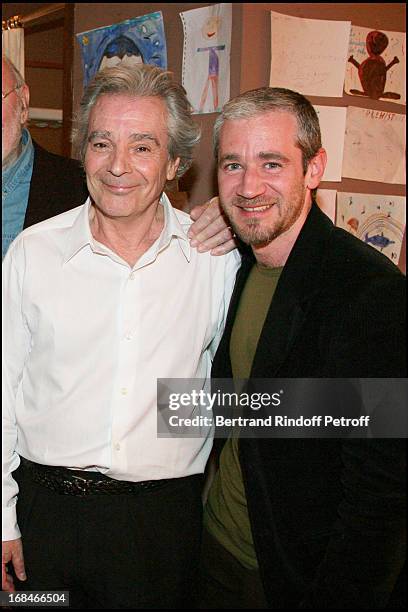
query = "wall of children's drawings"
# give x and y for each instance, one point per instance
(348, 59)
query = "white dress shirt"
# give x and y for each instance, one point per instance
(85, 339)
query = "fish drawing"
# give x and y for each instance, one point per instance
(379, 240)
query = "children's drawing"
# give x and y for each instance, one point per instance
(374, 146)
(380, 61)
(378, 220)
(131, 42)
(121, 50)
(308, 55)
(207, 44)
(210, 32)
(373, 71)
(332, 121)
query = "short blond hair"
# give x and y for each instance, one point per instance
(267, 99)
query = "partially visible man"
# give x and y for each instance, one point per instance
(101, 301)
(38, 185)
(301, 523)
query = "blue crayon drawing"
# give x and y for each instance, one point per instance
(134, 41)
(378, 240)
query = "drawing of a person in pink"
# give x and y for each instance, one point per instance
(210, 32)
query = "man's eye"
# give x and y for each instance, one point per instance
(273, 165)
(99, 145)
(232, 166)
(142, 149)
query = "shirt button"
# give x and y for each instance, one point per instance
(117, 446)
(128, 336)
(132, 276)
(123, 391)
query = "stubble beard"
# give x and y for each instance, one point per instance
(256, 232)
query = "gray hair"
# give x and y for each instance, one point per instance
(143, 81)
(264, 99)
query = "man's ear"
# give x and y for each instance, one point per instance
(25, 103)
(315, 169)
(172, 168)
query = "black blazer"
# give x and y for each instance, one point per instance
(327, 515)
(57, 184)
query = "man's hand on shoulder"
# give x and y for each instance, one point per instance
(12, 552)
(210, 230)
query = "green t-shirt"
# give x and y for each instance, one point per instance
(226, 514)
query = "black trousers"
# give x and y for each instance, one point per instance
(225, 584)
(118, 551)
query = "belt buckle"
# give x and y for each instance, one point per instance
(78, 477)
(79, 484)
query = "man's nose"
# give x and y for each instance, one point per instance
(119, 162)
(252, 184)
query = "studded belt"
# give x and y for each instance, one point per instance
(69, 482)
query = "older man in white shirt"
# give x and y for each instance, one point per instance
(100, 302)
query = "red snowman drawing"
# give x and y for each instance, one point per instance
(373, 70)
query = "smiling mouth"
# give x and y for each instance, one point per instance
(256, 209)
(118, 187)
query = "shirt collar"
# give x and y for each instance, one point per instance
(80, 235)
(173, 229)
(23, 165)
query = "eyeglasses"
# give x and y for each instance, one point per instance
(4, 95)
